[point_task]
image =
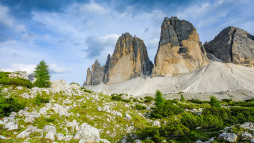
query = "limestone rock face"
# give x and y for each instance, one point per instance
(95, 76)
(129, 60)
(180, 50)
(233, 45)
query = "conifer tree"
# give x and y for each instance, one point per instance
(159, 100)
(41, 74)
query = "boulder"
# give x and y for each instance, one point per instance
(19, 74)
(48, 128)
(59, 84)
(246, 136)
(228, 137)
(129, 60)
(87, 133)
(233, 45)
(50, 136)
(180, 50)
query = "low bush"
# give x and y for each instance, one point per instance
(74, 83)
(148, 99)
(5, 80)
(182, 99)
(205, 121)
(166, 110)
(159, 100)
(244, 104)
(8, 105)
(116, 97)
(50, 119)
(197, 101)
(214, 102)
(226, 100)
(249, 100)
(39, 99)
(139, 107)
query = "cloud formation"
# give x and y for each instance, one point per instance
(72, 34)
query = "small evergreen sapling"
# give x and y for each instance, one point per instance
(214, 102)
(182, 98)
(159, 100)
(41, 74)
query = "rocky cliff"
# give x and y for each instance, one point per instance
(233, 45)
(129, 60)
(180, 50)
(95, 76)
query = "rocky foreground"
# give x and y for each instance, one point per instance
(74, 114)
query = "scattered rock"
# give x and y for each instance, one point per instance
(50, 136)
(246, 136)
(229, 137)
(128, 117)
(87, 133)
(19, 74)
(2, 137)
(29, 120)
(157, 123)
(248, 126)
(30, 129)
(9, 123)
(48, 128)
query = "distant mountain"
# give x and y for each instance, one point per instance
(233, 45)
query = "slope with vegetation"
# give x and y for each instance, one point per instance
(67, 112)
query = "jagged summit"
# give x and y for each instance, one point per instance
(129, 60)
(180, 50)
(234, 45)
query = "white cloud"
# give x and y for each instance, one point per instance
(20, 67)
(92, 8)
(54, 68)
(7, 20)
(30, 68)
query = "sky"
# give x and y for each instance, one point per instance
(69, 35)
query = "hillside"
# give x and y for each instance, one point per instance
(213, 78)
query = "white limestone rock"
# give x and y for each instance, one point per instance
(50, 136)
(228, 137)
(87, 133)
(48, 128)
(246, 136)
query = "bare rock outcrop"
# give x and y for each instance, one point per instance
(180, 50)
(95, 76)
(233, 45)
(129, 60)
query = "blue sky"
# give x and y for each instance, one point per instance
(71, 34)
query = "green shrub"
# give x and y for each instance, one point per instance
(166, 110)
(39, 99)
(226, 100)
(5, 80)
(249, 100)
(116, 97)
(244, 104)
(126, 100)
(8, 105)
(182, 98)
(197, 101)
(139, 107)
(51, 119)
(175, 128)
(205, 121)
(148, 99)
(242, 114)
(214, 102)
(74, 83)
(159, 100)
